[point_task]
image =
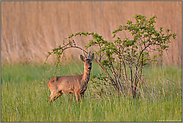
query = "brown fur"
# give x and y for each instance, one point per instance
(71, 84)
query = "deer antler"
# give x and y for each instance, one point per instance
(85, 54)
(89, 54)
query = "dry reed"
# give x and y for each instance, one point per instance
(32, 28)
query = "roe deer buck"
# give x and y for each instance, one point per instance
(71, 83)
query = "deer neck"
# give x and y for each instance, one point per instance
(86, 76)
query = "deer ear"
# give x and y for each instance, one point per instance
(92, 56)
(55, 78)
(82, 58)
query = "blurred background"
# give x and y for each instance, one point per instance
(30, 29)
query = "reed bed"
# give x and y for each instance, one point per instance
(32, 28)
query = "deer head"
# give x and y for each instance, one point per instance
(87, 61)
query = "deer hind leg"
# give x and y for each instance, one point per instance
(77, 96)
(82, 95)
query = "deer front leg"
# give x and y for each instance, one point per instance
(53, 95)
(77, 96)
(59, 94)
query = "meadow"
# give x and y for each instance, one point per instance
(24, 95)
(30, 29)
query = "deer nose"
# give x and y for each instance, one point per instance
(89, 67)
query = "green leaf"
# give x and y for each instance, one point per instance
(114, 36)
(84, 33)
(167, 30)
(49, 53)
(174, 35)
(71, 36)
(77, 33)
(129, 22)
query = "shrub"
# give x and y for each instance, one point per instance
(123, 59)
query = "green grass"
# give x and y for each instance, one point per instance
(24, 96)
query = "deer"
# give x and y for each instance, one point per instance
(71, 84)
